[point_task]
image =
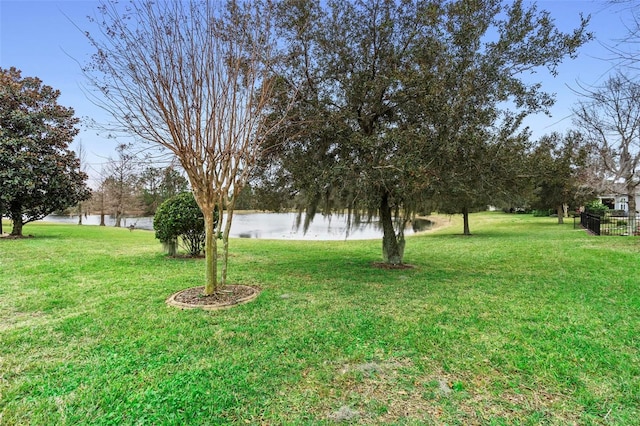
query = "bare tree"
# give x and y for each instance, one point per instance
(98, 201)
(194, 78)
(610, 118)
(120, 183)
(81, 152)
(625, 50)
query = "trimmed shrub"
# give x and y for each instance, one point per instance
(180, 219)
(597, 208)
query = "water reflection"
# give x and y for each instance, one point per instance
(278, 226)
(94, 219)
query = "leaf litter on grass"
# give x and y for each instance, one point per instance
(395, 390)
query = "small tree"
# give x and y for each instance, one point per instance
(180, 218)
(121, 183)
(195, 78)
(39, 174)
(81, 152)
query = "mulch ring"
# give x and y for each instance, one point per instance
(226, 297)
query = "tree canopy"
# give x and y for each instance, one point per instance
(409, 106)
(559, 165)
(39, 174)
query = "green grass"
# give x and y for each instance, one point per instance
(526, 322)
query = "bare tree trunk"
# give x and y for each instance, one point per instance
(118, 219)
(82, 157)
(392, 244)
(102, 209)
(560, 212)
(210, 252)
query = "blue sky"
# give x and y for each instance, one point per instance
(39, 38)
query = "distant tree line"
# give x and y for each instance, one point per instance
(129, 186)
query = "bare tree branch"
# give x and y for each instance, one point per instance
(195, 78)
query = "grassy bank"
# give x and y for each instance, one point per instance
(526, 322)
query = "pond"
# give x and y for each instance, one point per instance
(276, 226)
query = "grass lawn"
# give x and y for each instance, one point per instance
(526, 322)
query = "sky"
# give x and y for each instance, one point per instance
(43, 38)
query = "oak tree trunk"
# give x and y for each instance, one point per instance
(392, 244)
(17, 228)
(465, 219)
(560, 211)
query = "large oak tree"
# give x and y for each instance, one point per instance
(39, 173)
(406, 106)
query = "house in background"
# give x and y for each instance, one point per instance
(618, 200)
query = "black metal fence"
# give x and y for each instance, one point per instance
(590, 222)
(611, 223)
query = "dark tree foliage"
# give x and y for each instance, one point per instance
(180, 218)
(482, 91)
(559, 165)
(39, 174)
(407, 106)
(344, 148)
